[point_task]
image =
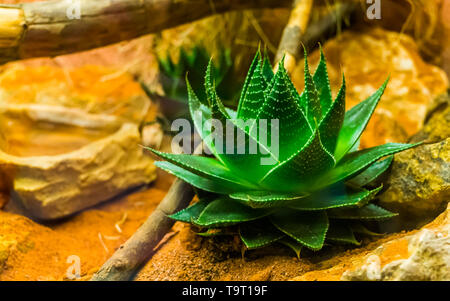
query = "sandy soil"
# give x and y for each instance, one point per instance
(187, 256)
(33, 251)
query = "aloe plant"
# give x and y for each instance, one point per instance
(317, 191)
(193, 62)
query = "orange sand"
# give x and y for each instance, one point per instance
(40, 252)
(187, 256)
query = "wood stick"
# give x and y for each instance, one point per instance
(52, 28)
(293, 33)
(316, 32)
(327, 26)
(124, 263)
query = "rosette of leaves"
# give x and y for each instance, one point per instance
(193, 62)
(315, 193)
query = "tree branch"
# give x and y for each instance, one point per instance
(293, 33)
(124, 263)
(46, 29)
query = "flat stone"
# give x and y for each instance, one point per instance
(428, 260)
(58, 166)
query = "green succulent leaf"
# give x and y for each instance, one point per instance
(356, 120)
(355, 162)
(201, 114)
(248, 79)
(267, 69)
(368, 212)
(297, 172)
(259, 233)
(293, 128)
(216, 186)
(236, 162)
(311, 97)
(215, 104)
(334, 199)
(355, 147)
(265, 199)
(191, 213)
(372, 172)
(206, 167)
(307, 228)
(358, 227)
(340, 231)
(293, 245)
(332, 121)
(224, 212)
(254, 96)
(323, 84)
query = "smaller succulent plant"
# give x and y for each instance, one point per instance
(315, 193)
(193, 62)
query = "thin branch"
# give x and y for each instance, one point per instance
(293, 33)
(318, 31)
(124, 263)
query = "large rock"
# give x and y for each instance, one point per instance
(91, 89)
(437, 126)
(70, 135)
(417, 255)
(58, 161)
(419, 181)
(367, 58)
(429, 257)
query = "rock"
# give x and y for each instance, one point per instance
(5, 247)
(70, 134)
(429, 258)
(437, 126)
(367, 58)
(91, 89)
(370, 271)
(152, 135)
(422, 20)
(419, 183)
(417, 255)
(59, 161)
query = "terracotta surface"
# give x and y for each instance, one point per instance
(187, 256)
(31, 251)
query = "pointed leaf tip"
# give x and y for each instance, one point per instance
(355, 122)
(307, 228)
